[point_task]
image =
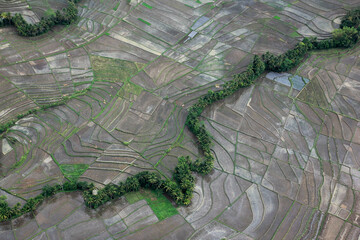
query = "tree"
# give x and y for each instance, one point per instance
(48, 191)
(132, 184)
(351, 19)
(345, 37)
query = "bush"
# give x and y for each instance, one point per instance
(149, 180)
(351, 19)
(131, 184)
(48, 191)
(345, 37)
(70, 186)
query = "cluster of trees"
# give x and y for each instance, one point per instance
(197, 127)
(7, 212)
(286, 61)
(344, 37)
(5, 19)
(65, 17)
(351, 19)
(180, 187)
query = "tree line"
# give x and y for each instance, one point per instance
(180, 187)
(65, 17)
(344, 37)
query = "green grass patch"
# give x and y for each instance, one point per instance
(130, 87)
(146, 22)
(20, 162)
(116, 7)
(140, 65)
(116, 70)
(49, 12)
(294, 34)
(108, 69)
(147, 5)
(133, 197)
(277, 17)
(314, 94)
(73, 171)
(160, 205)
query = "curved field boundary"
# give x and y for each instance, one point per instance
(180, 187)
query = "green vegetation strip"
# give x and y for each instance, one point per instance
(180, 187)
(277, 17)
(117, 6)
(146, 22)
(65, 17)
(147, 5)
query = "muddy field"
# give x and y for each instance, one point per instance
(287, 149)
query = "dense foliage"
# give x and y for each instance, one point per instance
(65, 17)
(7, 212)
(180, 187)
(197, 127)
(344, 37)
(5, 19)
(351, 19)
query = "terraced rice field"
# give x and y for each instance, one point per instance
(287, 149)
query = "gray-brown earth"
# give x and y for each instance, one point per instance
(287, 151)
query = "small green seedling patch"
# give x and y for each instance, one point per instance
(133, 197)
(146, 22)
(160, 205)
(109, 69)
(147, 5)
(295, 34)
(21, 161)
(73, 171)
(130, 87)
(116, 7)
(277, 17)
(49, 12)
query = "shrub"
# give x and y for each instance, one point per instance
(351, 19)
(345, 37)
(131, 184)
